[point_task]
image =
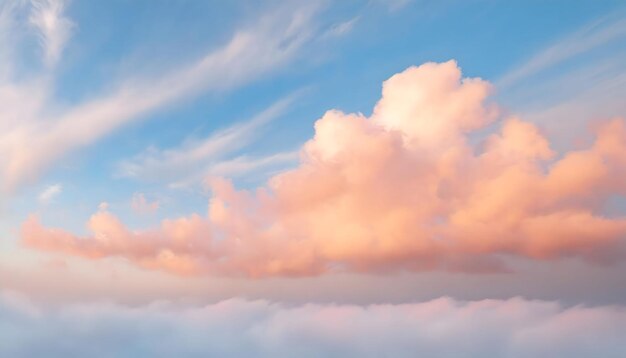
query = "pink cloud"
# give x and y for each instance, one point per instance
(404, 189)
(141, 205)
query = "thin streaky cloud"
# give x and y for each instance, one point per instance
(245, 164)
(251, 168)
(342, 28)
(596, 91)
(273, 41)
(192, 157)
(50, 192)
(394, 5)
(47, 16)
(591, 36)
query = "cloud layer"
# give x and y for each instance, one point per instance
(240, 328)
(405, 189)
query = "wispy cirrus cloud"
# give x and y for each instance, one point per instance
(194, 159)
(394, 5)
(253, 51)
(572, 78)
(598, 33)
(50, 192)
(245, 164)
(342, 28)
(47, 16)
(242, 328)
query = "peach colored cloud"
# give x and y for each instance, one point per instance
(404, 189)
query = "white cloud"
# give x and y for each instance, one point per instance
(273, 41)
(191, 161)
(239, 328)
(245, 164)
(394, 5)
(50, 192)
(103, 206)
(252, 167)
(586, 39)
(53, 27)
(342, 28)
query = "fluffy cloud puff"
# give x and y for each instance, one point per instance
(405, 189)
(241, 328)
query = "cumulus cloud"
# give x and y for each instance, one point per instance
(240, 328)
(404, 189)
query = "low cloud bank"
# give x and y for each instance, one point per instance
(240, 328)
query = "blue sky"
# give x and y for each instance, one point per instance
(355, 46)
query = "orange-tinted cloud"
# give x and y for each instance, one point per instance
(403, 189)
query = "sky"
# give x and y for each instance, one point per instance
(312, 178)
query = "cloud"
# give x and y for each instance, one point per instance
(103, 206)
(54, 29)
(163, 248)
(53, 132)
(544, 89)
(50, 192)
(342, 28)
(141, 205)
(404, 189)
(593, 35)
(244, 164)
(241, 328)
(7, 24)
(192, 160)
(394, 5)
